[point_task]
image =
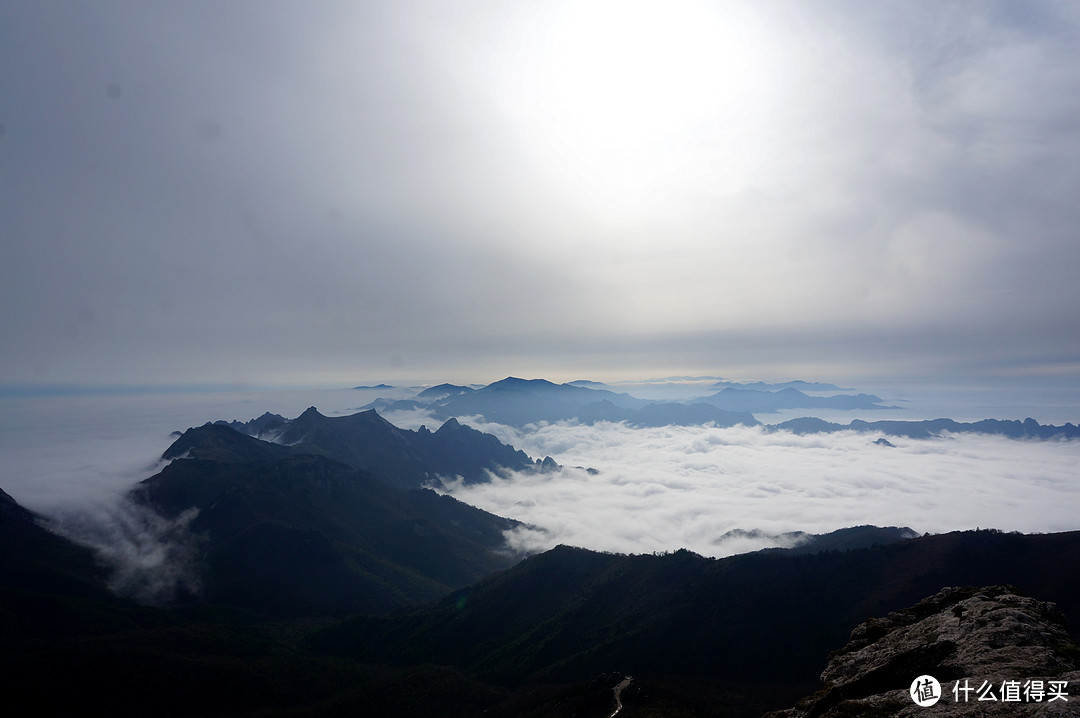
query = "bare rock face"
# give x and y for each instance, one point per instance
(993, 651)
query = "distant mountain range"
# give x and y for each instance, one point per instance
(765, 386)
(520, 402)
(758, 401)
(1026, 429)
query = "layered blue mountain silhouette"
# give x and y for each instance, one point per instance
(763, 401)
(520, 402)
(1026, 429)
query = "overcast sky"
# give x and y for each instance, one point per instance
(259, 191)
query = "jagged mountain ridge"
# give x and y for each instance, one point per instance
(364, 440)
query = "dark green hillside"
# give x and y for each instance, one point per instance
(756, 618)
(32, 558)
(298, 540)
(49, 587)
(307, 535)
(70, 647)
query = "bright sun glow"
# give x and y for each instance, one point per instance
(626, 101)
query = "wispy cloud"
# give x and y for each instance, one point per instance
(150, 558)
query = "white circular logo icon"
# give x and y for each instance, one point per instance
(925, 691)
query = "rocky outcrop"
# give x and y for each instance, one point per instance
(1011, 651)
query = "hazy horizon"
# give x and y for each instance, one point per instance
(72, 458)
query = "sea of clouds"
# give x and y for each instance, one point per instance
(73, 459)
(686, 487)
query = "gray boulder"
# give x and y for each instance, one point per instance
(988, 642)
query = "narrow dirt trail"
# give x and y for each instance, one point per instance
(618, 694)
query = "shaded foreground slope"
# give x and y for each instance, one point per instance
(34, 559)
(306, 535)
(755, 620)
(71, 647)
(49, 587)
(550, 637)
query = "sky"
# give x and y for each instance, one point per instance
(329, 193)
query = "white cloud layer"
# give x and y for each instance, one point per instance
(673, 487)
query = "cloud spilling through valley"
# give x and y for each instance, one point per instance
(151, 559)
(672, 487)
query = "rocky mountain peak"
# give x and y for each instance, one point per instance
(966, 638)
(450, 425)
(310, 413)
